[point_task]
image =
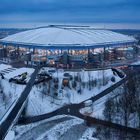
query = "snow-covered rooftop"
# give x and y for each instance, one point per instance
(71, 36)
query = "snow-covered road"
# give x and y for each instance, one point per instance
(35, 132)
(62, 128)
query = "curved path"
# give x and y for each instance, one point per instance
(69, 109)
(73, 110)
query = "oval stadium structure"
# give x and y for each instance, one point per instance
(70, 46)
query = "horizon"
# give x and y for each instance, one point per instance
(94, 25)
(114, 14)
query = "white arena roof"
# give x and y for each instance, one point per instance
(60, 37)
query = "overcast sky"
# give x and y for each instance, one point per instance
(69, 11)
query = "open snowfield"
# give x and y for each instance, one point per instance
(82, 86)
(39, 103)
(18, 72)
(86, 77)
(10, 92)
(99, 105)
(3, 67)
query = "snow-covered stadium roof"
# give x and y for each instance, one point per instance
(71, 37)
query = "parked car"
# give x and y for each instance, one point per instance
(88, 103)
(119, 72)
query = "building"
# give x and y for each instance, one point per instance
(70, 46)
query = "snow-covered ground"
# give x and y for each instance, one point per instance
(81, 86)
(136, 63)
(57, 128)
(97, 107)
(90, 83)
(19, 71)
(86, 78)
(40, 104)
(10, 92)
(3, 67)
(10, 135)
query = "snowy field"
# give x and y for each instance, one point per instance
(82, 86)
(99, 105)
(10, 92)
(57, 128)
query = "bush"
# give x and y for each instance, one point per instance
(113, 79)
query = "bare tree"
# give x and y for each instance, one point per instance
(109, 109)
(89, 80)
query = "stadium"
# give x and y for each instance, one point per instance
(69, 47)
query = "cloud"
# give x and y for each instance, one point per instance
(70, 10)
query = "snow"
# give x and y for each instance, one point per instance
(39, 103)
(88, 134)
(11, 91)
(136, 63)
(21, 130)
(85, 77)
(55, 36)
(18, 72)
(4, 66)
(10, 135)
(99, 105)
(60, 127)
(5, 112)
(88, 102)
(86, 110)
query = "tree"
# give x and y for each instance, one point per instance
(74, 84)
(89, 80)
(109, 110)
(83, 84)
(49, 87)
(126, 104)
(137, 97)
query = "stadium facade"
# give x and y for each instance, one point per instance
(70, 46)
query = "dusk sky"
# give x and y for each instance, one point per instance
(70, 11)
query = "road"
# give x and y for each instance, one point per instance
(73, 110)
(12, 116)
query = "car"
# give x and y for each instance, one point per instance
(87, 111)
(52, 70)
(88, 103)
(119, 72)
